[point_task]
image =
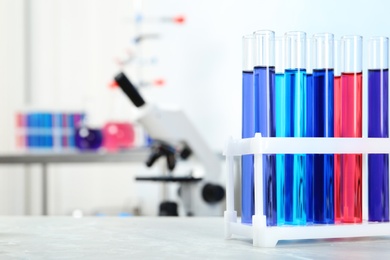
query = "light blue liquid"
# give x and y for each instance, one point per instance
(248, 130)
(295, 176)
(264, 83)
(280, 111)
(310, 93)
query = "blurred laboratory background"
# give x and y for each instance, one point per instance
(71, 142)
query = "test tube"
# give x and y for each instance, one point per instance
(309, 129)
(280, 112)
(295, 80)
(378, 120)
(264, 85)
(323, 83)
(351, 81)
(248, 128)
(337, 128)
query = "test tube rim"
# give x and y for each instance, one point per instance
(320, 35)
(261, 59)
(357, 66)
(371, 42)
(328, 62)
(295, 62)
(351, 36)
(257, 32)
(294, 33)
(247, 40)
(378, 38)
(248, 36)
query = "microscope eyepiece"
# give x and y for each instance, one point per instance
(129, 89)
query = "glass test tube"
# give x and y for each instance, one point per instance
(295, 80)
(309, 129)
(351, 174)
(323, 81)
(378, 126)
(264, 84)
(280, 112)
(248, 128)
(337, 128)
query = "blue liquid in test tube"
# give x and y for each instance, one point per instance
(309, 131)
(280, 114)
(323, 163)
(295, 179)
(378, 126)
(309, 157)
(295, 164)
(248, 130)
(264, 81)
(323, 108)
(280, 111)
(378, 164)
(264, 89)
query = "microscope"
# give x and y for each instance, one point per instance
(176, 139)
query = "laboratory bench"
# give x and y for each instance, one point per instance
(160, 238)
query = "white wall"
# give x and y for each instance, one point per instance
(74, 43)
(12, 51)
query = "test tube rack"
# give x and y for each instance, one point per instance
(268, 236)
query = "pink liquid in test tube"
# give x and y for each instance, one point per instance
(352, 163)
(351, 126)
(337, 157)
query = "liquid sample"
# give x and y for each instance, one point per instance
(117, 136)
(351, 177)
(378, 164)
(309, 157)
(280, 111)
(247, 161)
(295, 179)
(323, 163)
(337, 157)
(88, 138)
(264, 89)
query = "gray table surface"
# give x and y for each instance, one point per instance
(49, 157)
(159, 238)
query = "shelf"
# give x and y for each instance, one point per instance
(48, 157)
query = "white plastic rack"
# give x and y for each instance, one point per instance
(268, 236)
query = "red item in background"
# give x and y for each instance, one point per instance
(118, 135)
(20, 126)
(179, 19)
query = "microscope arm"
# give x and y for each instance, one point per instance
(173, 127)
